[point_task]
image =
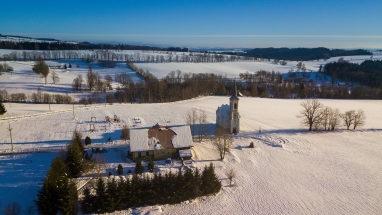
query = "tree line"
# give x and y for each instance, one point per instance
(303, 54)
(139, 190)
(316, 116)
(368, 73)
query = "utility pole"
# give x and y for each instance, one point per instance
(73, 111)
(10, 134)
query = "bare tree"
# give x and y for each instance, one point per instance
(55, 77)
(91, 78)
(334, 118)
(223, 141)
(311, 112)
(359, 119)
(325, 118)
(99, 165)
(231, 174)
(77, 83)
(348, 118)
(125, 134)
(202, 119)
(12, 209)
(192, 118)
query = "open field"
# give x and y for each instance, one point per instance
(311, 173)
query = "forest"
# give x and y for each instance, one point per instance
(368, 73)
(302, 54)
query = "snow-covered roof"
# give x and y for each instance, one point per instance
(138, 140)
(183, 138)
(223, 110)
(185, 153)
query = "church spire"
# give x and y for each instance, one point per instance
(234, 91)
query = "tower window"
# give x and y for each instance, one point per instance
(235, 106)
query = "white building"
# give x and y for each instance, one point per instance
(227, 116)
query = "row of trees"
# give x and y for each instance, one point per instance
(94, 82)
(197, 119)
(138, 190)
(108, 57)
(39, 97)
(316, 116)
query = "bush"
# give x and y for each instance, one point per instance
(120, 169)
(88, 141)
(2, 108)
(251, 145)
(138, 167)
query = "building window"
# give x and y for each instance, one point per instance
(235, 106)
(147, 154)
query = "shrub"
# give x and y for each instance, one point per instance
(88, 141)
(251, 145)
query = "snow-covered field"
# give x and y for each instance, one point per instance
(24, 80)
(312, 173)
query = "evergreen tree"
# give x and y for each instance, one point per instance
(121, 194)
(138, 167)
(136, 191)
(101, 195)
(74, 160)
(120, 169)
(88, 141)
(111, 194)
(2, 108)
(210, 182)
(58, 193)
(87, 202)
(151, 165)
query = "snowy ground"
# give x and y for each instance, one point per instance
(24, 80)
(311, 173)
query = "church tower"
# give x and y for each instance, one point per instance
(234, 111)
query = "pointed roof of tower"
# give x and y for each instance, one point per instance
(234, 91)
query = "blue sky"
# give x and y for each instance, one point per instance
(201, 23)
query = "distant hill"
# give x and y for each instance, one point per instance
(303, 54)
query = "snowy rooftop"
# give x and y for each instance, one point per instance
(183, 138)
(223, 110)
(140, 141)
(185, 153)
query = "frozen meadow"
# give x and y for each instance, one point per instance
(290, 170)
(306, 173)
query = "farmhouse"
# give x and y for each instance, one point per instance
(161, 142)
(227, 116)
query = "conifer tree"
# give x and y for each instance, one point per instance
(88, 141)
(111, 193)
(120, 169)
(87, 202)
(210, 182)
(74, 160)
(2, 108)
(121, 194)
(58, 193)
(138, 167)
(151, 165)
(136, 191)
(101, 195)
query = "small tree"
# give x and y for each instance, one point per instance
(138, 167)
(334, 118)
(2, 108)
(88, 141)
(311, 112)
(41, 68)
(223, 142)
(125, 134)
(151, 166)
(120, 169)
(230, 173)
(359, 119)
(348, 118)
(251, 145)
(55, 77)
